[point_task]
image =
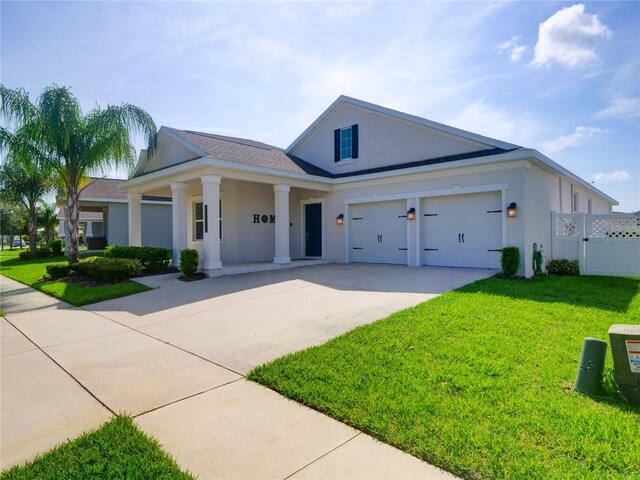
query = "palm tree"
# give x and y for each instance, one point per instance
(79, 145)
(25, 179)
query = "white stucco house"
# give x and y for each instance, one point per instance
(363, 183)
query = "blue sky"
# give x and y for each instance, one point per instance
(561, 77)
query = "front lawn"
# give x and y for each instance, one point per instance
(31, 271)
(116, 450)
(479, 380)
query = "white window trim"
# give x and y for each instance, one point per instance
(349, 160)
(192, 234)
(196, 199)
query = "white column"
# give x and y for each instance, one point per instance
(211, 206)
(135, 219)
(282, 224)
(89, 230)
(413, 234)
(179, 216)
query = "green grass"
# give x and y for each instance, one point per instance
(116, 450)
(31, 271)
(479, 381)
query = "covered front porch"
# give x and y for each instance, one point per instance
(238, 221)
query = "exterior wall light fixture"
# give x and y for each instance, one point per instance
(411, 214)
(512, 210)
(340, 219)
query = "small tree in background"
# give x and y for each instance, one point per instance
(510, 261)
(9, 222)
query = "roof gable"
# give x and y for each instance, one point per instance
(435, 126)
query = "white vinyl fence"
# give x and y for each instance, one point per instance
(603, 244)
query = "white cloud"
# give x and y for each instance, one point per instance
(514, 49)
(617, 176)
(569, 38)
(577, 138)
(621, 108)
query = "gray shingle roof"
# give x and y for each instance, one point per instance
(248, 152)
(106, 188)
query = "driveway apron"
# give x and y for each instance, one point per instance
(175, 358)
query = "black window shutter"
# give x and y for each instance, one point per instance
(336, 145)
(354, 141)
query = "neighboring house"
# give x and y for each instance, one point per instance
(103, 213)
(363, 183)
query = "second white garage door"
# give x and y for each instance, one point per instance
(378, 232)
(462, 230)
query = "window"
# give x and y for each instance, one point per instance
(575, 203)
(198, 221)
(589, 206)
(345, 143)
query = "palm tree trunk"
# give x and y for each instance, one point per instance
(33, 233)
(72, 212)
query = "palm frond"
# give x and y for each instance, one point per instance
(15, 106)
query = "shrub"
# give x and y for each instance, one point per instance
(132, 266)
(42, 252)
(188, 261)
(56, 247)
(58, 271)
(510, 261)
(108, 269)
(111, 272)
(562, 266)
(153, 259)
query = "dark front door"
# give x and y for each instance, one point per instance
(313, 229)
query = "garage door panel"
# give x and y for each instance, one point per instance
(463, 229)
(379, 235)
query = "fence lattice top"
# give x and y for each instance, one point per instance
(628, 227)
(567, 225)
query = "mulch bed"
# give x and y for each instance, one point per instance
(193, 278)
(79, 281)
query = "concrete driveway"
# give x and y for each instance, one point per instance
(175, 358)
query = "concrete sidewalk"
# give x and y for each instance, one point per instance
(66, 370)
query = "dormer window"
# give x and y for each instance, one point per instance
(345, 143)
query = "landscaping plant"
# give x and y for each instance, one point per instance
(510, 261)
(562, 266)
(56, 247)
(188, 261)
(58, 270)
(153, 259)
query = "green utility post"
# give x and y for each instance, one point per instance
(589, 379)
(537, 259)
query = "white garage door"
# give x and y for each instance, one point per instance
(378, 232)
(462, 230)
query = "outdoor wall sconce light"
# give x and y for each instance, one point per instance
(340, 219)
(411, 214)
(512, 210)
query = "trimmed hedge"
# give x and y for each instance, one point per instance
(57, 270)
(42, 252)
(108, 269)
(188, 261)
(510, 261)
(153, 259)
(56, 247)
(562, 266)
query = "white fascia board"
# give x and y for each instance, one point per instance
(212, 162)
(455, 190)
(550, 164)
(122, 200)
(469, 162)
(438, 127)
